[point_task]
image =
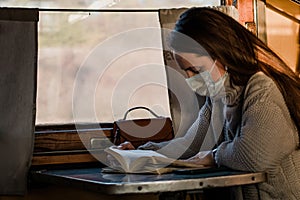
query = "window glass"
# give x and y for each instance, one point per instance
(67, 40)
(77, 84)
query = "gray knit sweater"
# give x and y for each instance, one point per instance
(260, 136)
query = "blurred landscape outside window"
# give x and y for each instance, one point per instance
(67, 37)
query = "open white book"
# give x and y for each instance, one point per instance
(144, 161)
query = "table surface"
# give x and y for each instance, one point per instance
(114, 183)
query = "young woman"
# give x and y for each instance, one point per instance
(260, 95)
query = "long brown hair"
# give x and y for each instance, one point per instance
(237, 48)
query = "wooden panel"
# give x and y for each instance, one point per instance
(71, 126)
(69, 144)
(61, 140)
(45, 159)
(287, 6)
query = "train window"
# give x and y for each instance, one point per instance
(76, 81)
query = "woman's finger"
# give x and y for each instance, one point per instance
(126, 146)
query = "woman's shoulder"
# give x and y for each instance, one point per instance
(258, 87)
(261, 87)
(259, 82)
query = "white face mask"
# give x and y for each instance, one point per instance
(204, 85)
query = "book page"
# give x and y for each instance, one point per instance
(138, 160)
(141, 161)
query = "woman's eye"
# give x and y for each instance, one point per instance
(192, 69)
(199, 68)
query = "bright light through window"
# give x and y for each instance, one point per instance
(68, 38)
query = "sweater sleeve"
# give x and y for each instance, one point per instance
(266, 135)
(190, 143)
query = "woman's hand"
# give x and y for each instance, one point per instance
(202, 158)
(111, 161)
(125, 146)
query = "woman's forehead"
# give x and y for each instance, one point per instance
(190, 57)
(185, 54)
